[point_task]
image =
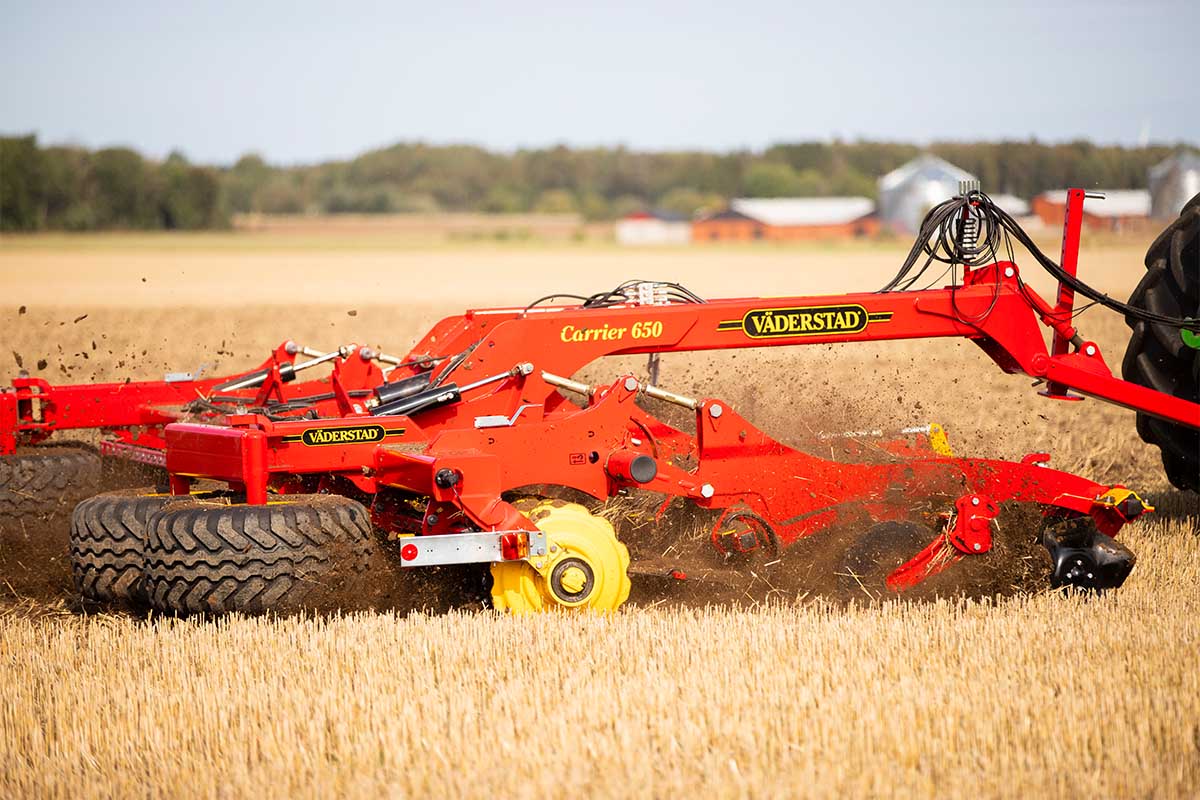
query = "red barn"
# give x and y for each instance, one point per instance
(789, 219)
(1118, 210)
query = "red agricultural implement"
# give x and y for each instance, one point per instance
(471, 449)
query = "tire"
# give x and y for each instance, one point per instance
(38, 481)
(1157, 357)
(305, 552)
(107, 545)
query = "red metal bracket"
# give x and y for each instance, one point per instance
(970, 528)
(8, 423)
(1065, 308)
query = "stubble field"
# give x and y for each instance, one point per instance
(1032, 695)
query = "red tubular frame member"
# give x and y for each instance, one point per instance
(133, 413)
(991, 308)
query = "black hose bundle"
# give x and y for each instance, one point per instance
(970, 229)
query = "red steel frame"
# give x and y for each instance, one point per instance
(463, 470)
(992, 309)
(134, 413)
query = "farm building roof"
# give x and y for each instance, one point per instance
(786, 211)
(1011, 203)
(925, 168)
(1116, 202)
(724, 213)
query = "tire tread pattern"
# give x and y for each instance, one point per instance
(209, 557)
(1156, 356)
(108, 533)
(36, 480)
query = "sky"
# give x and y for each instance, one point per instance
(300, 82)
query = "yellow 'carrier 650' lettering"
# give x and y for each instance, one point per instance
(648, 329)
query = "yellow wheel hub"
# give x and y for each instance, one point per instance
(573, 579)
(585, 567)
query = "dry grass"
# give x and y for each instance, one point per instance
(1032, 696)
(1037, 696)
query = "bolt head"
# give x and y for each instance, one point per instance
(707, 490)
(1009, 272)
(631, 384)
(978, 546)
(1090, 349)
(715, 410)
(974, 501)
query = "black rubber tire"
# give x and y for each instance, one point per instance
(108, 537)
(38, 481)
(305, 552)
(1157, 356)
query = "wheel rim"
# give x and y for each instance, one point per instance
(586, 566)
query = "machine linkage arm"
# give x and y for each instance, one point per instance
(33, 408)
(993, 309)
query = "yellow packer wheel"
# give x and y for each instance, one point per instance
(585, 568)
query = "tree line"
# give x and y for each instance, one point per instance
(70, 188)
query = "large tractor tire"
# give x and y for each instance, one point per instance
(1160, 356)
(298, 552)
(38, 481)
(108, 543)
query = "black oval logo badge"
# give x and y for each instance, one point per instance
(357, 434)
(766, 323)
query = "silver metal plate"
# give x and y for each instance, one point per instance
(464, 548)
(499, 420)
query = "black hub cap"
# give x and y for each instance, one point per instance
(556, 580)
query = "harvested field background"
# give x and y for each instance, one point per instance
(1034, 695)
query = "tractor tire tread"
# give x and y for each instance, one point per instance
(213, 558)
(1156, 356)
(35, 480)
(107, 540)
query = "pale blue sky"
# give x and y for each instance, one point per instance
(302, 81)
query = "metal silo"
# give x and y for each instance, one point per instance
(908, 192)
(1173, 182)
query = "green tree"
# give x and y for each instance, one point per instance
(555, 201)
(281, 195)
(687, 201)
(22, 184)
(126, 193)
(243, 182)
(504, 199)
(593, 206)
(768, 179)
(627, 204)
(190, 198)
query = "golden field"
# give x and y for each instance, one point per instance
(1038, 695)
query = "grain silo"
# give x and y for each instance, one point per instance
(908, 192)
(1173, 182)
